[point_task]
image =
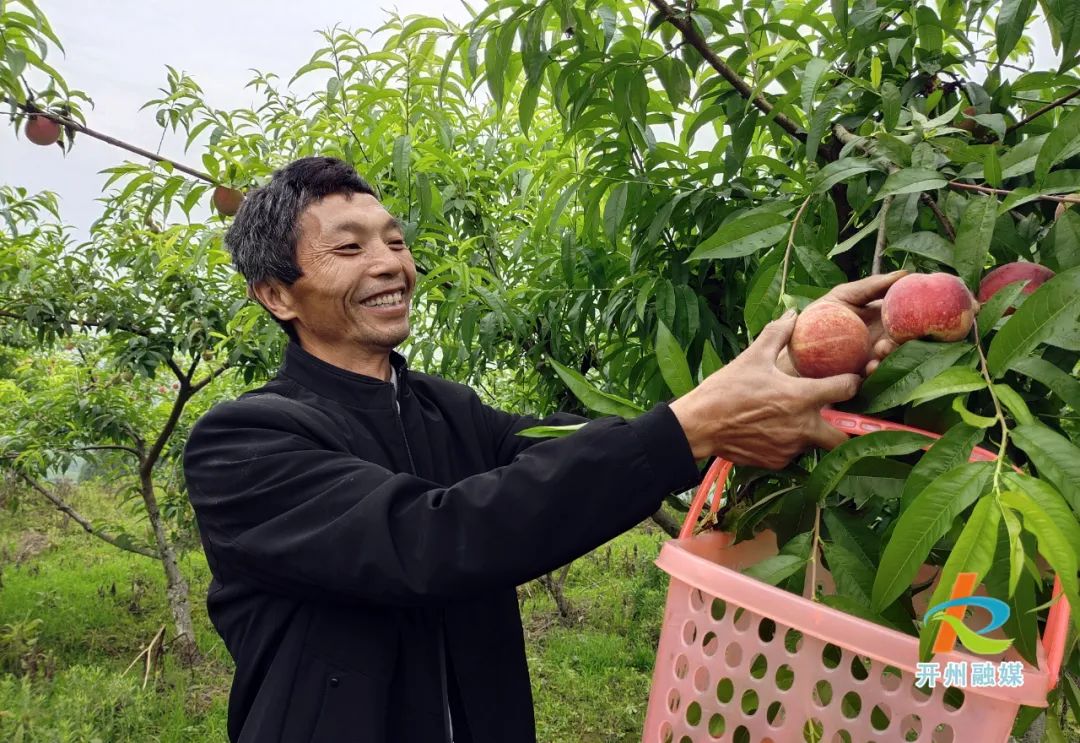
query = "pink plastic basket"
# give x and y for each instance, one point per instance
(740, 660)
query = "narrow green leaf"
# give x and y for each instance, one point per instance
(1014, 404)
(949, 382)
(1062, 143)
(1012, 19)
(614, 210)
(811, 78)
(973, 238)
(546, 432)
(776, 568)
(1015, 546)
(927, 244)
(1062, 245)
(838, 171)
(592, 398)
(928, 518)
(905, 369)
(1053, 544)
(951, 450)
(672, 360)
(401, 159)
(743, 235)
(972, 553)
(1022, 625)
(834, 465)
(994, 308)
(1057, 458)
(992, 168)
(1051, 308)
(710, 360)
(911, 180)
(1052, 502)
(1060, 382)
(972, 419)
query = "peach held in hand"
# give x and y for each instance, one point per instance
(829, 339)
(937, 306)
(1033, 273)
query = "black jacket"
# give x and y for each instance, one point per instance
(365, 561)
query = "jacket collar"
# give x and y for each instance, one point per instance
(347, 387)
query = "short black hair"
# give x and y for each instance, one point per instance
(263, 237)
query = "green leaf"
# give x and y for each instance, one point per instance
(905, 369)
(1022, 625)
(592, 398)
(992, 168)
(1014, 15)
(1015, 548)
(973, 238)
(1061, 383)
(743, 235)
(1015, 404)
(927, 244)
(874, 478)
(951, 450)
(972, 419)
(1057, 458)
(1051, 308)
(834, 465)
(811, 78)
(614, 210)
(875, 72)
(401, 158)
(972, 553)
(1062, 245)
(890, 106)
(673, 366)
(911, 180)
(929, 517)
(838, 171)
(994, 308)
(710, 360)
(951, 381)
(546, 432)
(850, 243)
(1062, 143)
(1053, 543)
(1050, 501)
(776, 568)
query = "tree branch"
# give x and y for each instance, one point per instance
(943, 220)
(1048, 107)
(882, 233)
(209, 378)
(1005, 191)
(81, 521)
(106, 447)
(65, 121)
(686, 28)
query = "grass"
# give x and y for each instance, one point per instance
(75, 612)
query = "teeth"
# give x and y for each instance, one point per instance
(383, 300)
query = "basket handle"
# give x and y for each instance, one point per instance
(1057, 621)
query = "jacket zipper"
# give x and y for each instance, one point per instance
(447, 725)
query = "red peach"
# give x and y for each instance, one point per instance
(43, 131)
(829, 339)
(227, 200)
(937, 306)
(1002, 276)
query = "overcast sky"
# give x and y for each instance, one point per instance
(117, 51)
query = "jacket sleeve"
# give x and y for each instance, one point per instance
(285, 511)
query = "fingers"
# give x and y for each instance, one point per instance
(884, 347)
(774, 337)
(833, 389)
(825, 436)
(866, 290)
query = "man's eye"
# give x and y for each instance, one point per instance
(350, 246)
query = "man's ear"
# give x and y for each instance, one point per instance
(274, 296)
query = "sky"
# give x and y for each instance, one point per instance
(117, 54)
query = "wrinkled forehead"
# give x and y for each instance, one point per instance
(345, 216)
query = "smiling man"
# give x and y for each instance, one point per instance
(366, 525)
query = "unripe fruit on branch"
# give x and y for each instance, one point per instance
(1002, 276)
(937, 306)
(227, 200)
(829, 339)
(43, 131)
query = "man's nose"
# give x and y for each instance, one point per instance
(384, 261)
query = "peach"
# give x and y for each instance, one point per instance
(937, 306)
(829, 339)
(1002, 276)
(227, 200)
(42, 130)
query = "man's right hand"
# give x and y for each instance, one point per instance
(752, 413)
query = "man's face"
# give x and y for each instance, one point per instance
(358, 277)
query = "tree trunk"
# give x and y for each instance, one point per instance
(176, 588)
(666, 522)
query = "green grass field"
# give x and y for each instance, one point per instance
(75, 612)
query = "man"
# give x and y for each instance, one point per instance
(366, 525)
